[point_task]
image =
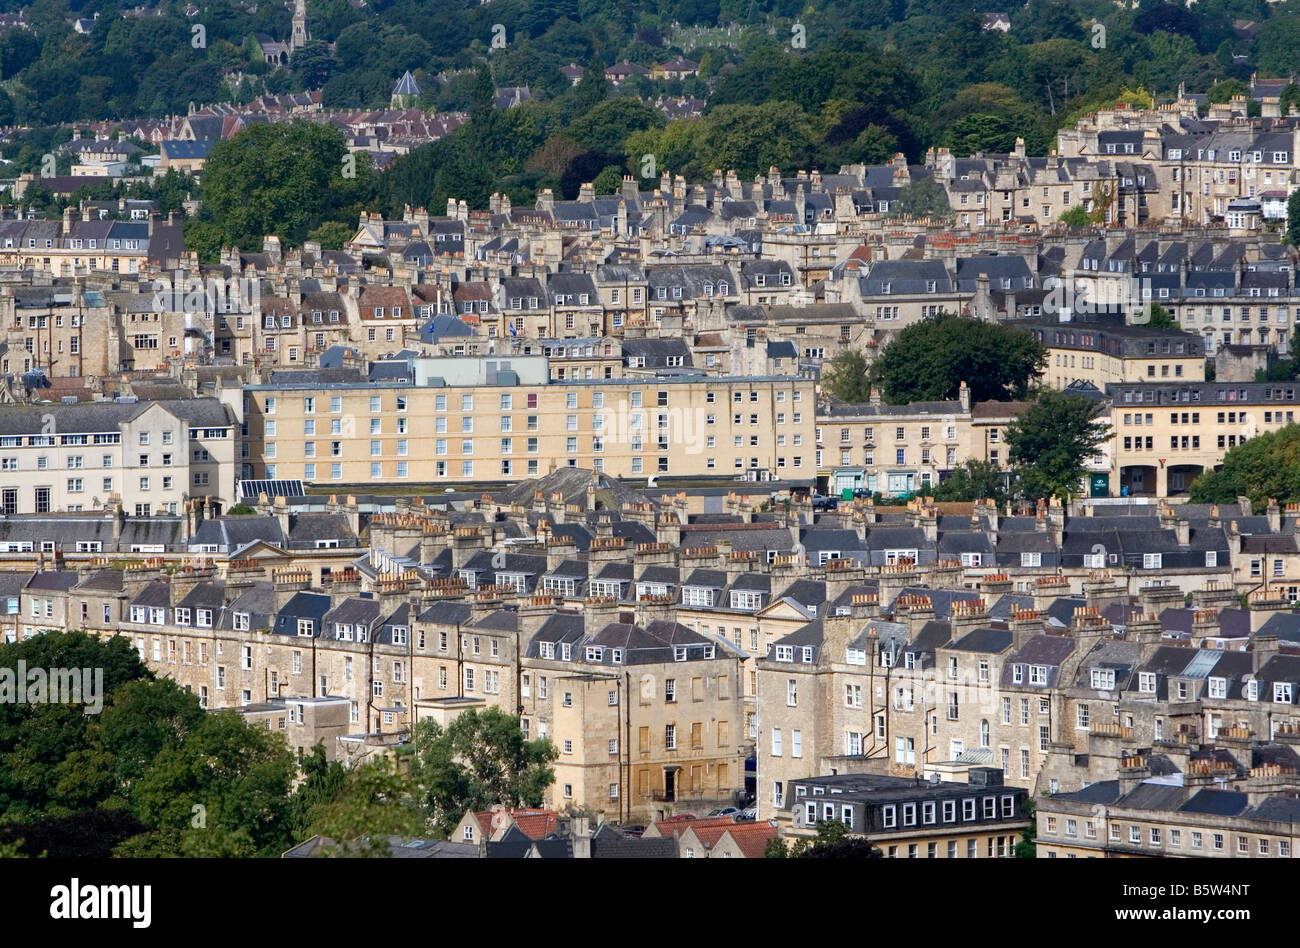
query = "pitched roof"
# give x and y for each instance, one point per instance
(750, 838)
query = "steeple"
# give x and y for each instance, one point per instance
(300, 32)
(405, 92)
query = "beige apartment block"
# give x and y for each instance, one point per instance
(395, 433)
(1167, 434)
(148, 456)
(1078, 352)
(893, 449)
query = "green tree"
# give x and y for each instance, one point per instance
(929, 360)
(609, 181)
(1293, 219)
(282, 179)
(361, 808)
(1223, 91)
(1277, 46)
(973, 480)
(777, 848)
(847, 377)
(833, 840)
(151, 774)
(332, 235)
(223, 790)
(1027, 848)
(1155, 316)
(314, 64)
(982, 132)
(480, 759)
(322, 779)
(752, 138)
(1050, 441)
(1076, 216)
(1290, 96)
(923, 198)
(37, 738)
(607, 126)
(145, 718)
(1264, 467)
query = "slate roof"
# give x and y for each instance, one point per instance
(102, 417)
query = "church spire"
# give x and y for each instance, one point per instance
(300, 32)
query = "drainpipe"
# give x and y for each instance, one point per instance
(624, 808)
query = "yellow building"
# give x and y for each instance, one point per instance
(465, 420)
(1167, 434)
(1084, 352)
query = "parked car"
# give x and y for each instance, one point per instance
(747, 815)
(724, 811)
(824, 503)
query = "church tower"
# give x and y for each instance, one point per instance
(300, 32)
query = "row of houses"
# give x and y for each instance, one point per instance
(661, 651)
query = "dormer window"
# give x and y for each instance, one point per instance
(697, 596)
